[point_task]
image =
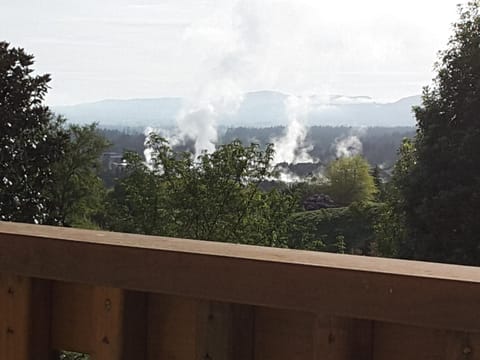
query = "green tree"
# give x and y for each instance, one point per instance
(390, 227)
(215, 197)
(350, 180)
(32, 139)
(77, 193)
(379, 183)
(440, 188)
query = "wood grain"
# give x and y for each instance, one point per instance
(172, 330)
(88, 319)
(405, 292)
(15, 322)
(284, 335)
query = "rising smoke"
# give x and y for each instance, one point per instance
(225, 46)
(291, 147)
(350, 145)
(247, 49)
(237, 52)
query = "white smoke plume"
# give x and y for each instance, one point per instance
(172, 136)
(350, 145)
(241, 46)
(199, 117)
(244, 45)
(225, 45)
(286, 176)
(291, 147)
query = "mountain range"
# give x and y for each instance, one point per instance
(258, 109)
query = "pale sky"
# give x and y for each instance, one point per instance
(104, 49)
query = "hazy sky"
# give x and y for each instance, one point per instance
(98, 49)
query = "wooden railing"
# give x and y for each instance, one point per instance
(121, 296)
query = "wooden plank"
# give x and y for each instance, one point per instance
(107, 313)
(15, 326)
(224, 331)
(214, 339)
(393, 341)
(362, 339)
(72, 322)
(183, 328)
(338, 338)
(243, 332)
(415, 293)
(41, 314)
(399, 342)
(338, 261)
(462, 346)
(88, 319)
(171, 327)
(332, 338)
(284, 335)
(135, 326)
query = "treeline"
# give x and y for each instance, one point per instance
(379, 144)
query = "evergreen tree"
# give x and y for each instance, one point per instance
(440, 185)
(31, 138)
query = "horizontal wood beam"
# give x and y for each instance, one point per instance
(406, 292)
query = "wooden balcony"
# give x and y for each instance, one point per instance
(123, 296)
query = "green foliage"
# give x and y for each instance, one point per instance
(438, 182)
(350, 180)
(305, 189)
(47, 171)
(32, 139)
(390, 229)
(215, 197)
(379, 185)
(340, 244)
(348, 229)
(70, 355)
(77, 194)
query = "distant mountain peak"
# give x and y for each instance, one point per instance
(259, 108)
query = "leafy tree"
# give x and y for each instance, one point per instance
(47, 170)
(77, 193)
(349, 229)
(32, 139)
(390, 228)
(215, 197)
(440, 186)
(350, 180)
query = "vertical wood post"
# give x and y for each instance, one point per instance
(107, 321)
(14, 317)
(135, 326)
(338, 338)
(224, 331)
(171, 327)
(88, 319)
(189, 329)
(284, 334)
(243, 317)
(41, 319)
